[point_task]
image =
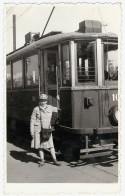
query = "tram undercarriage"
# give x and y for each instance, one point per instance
(83, 146)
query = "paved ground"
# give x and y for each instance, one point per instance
(22, 167)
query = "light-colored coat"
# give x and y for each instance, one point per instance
(35, 125)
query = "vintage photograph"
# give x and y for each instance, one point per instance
(62, 68)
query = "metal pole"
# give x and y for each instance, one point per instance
(86, 140)
(48, 20)
(57, 88)
(14, 32)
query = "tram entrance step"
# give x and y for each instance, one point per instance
(106, 141)
(97, 148)
(98, 154)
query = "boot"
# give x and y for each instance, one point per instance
(41, 163)
(55, 162)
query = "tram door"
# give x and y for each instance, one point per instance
(50, 77)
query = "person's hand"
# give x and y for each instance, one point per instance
(57, 97)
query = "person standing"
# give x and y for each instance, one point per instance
(41, 117)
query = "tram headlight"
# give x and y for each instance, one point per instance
(113, 115)
(116, 114)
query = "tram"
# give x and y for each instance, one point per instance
(82, 69)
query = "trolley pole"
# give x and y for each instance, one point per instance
(48, 20)
(14, 32)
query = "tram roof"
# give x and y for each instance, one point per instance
(55, 39)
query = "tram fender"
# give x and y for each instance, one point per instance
(105, 130)
(77, 130)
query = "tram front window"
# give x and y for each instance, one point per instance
(111, 61)
(85, 62)
(51, 71)
(66, 69)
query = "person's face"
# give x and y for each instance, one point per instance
(42, 102)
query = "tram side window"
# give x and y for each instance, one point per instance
(111, 61)
(85, 62)
(17, 74)
(8, 76)
(31, 71)
(66, 70)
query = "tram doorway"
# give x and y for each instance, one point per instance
(50, 74)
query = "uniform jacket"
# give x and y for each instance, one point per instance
(46, 115)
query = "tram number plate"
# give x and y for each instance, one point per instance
(115, 97)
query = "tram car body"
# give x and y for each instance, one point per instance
(82, 68)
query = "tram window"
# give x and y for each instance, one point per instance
(31, 71)
(66, 70)
(17, 74)
(8, 76)
(85, 62)
(51, 71)
(111, 61)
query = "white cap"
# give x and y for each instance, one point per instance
(43, 96)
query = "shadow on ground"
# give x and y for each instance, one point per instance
(23, 143)
(23, 156)
(102, 161)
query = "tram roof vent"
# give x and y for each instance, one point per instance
(31, 37)
(90, 26)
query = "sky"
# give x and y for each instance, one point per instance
(65, 18)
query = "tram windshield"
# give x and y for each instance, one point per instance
(111, 61)
(66, 69)
(85, 61)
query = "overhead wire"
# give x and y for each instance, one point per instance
(11, 10)
(106, 100)
(24, 12)
(102, 19)
(19, 15)
(9, 28)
